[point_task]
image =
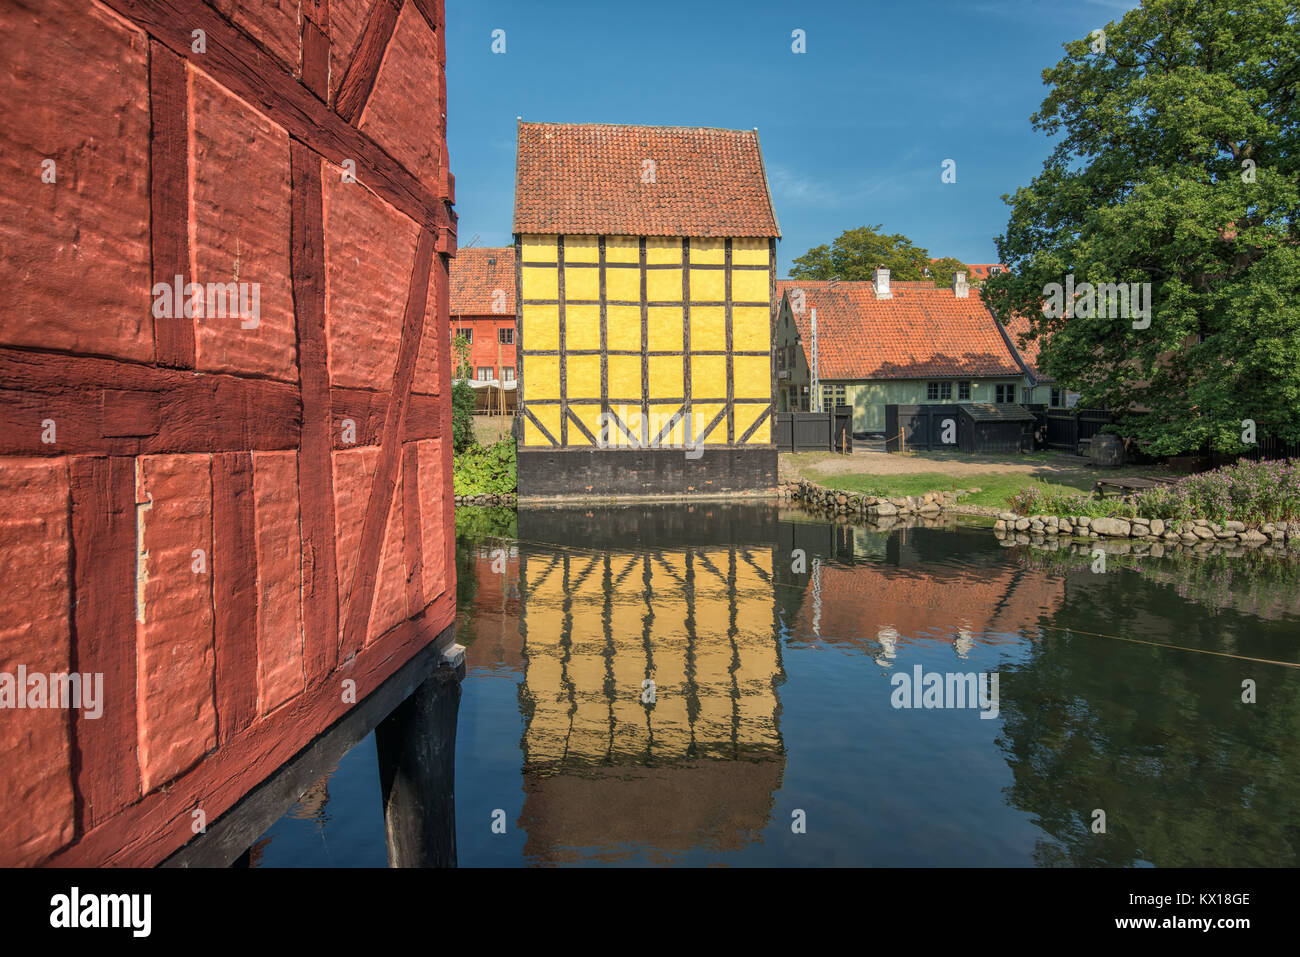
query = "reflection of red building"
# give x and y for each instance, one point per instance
(483, 307)
(898, 606)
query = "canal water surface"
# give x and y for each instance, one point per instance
(724, 684)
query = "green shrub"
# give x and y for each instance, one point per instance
(1035, 501)
(486, 469)
(1251, 492)
(462, 417)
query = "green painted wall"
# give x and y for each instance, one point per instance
(870, 398)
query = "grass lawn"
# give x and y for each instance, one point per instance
(994, 487)
(997, 477)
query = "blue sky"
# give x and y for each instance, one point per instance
(854, 131)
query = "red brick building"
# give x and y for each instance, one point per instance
(483, 310)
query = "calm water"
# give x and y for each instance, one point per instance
(772, 705)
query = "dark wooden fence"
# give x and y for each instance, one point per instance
(921, 427)
(814, 431)
(951, 427)
(1266, 449)
(1066, 428)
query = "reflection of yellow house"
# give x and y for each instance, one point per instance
(646, 287)
(698, 765)
(698, 624)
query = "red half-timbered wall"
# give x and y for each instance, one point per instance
(227, 522)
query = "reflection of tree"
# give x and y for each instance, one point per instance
(478, 530)
(1157, 738)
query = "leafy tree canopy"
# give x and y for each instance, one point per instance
(1176, 163)
(856, 253)
(943, 270)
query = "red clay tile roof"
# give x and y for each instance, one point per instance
(919, 333)
(476, 274)
(590, 179)
(1016, 327)
(981, 270)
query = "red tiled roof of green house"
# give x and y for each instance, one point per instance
(918, 333)
(596, 179)
(1016, 327)
(477, 275)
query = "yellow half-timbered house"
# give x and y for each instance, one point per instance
(646, 287)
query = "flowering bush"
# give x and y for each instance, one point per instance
(1252, 492)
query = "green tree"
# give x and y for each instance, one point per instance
(462, 416)
(1176, 163)
(856, 253)
(460, 348)
(943, 270)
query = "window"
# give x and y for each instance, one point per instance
(1005, 393)
(484, 373)
(938, 391)
(508, 373)
(1058, 398)
(963, 391)
(506, 336)
(832, 395)
(780, 357)
(1029, 397)
(467, 334)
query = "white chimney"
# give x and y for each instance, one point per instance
(959, 287)
(882, 283)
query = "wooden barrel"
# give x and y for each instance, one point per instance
(1106, 450)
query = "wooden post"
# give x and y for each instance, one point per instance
(416, 745)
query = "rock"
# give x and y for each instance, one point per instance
(1202, 532)
(1000, 525)
(1235, 526)
(1007, 516)
(1157, 550)
(1035, 525)
(1201, 522)
(1252, 538)
(1022, 525)
(1157, 526)
(1116, 527)
(930, 509)
(884, 508)
(1174, 537)
(1084, 522)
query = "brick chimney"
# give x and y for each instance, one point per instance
(881, 283)
(959, 287)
